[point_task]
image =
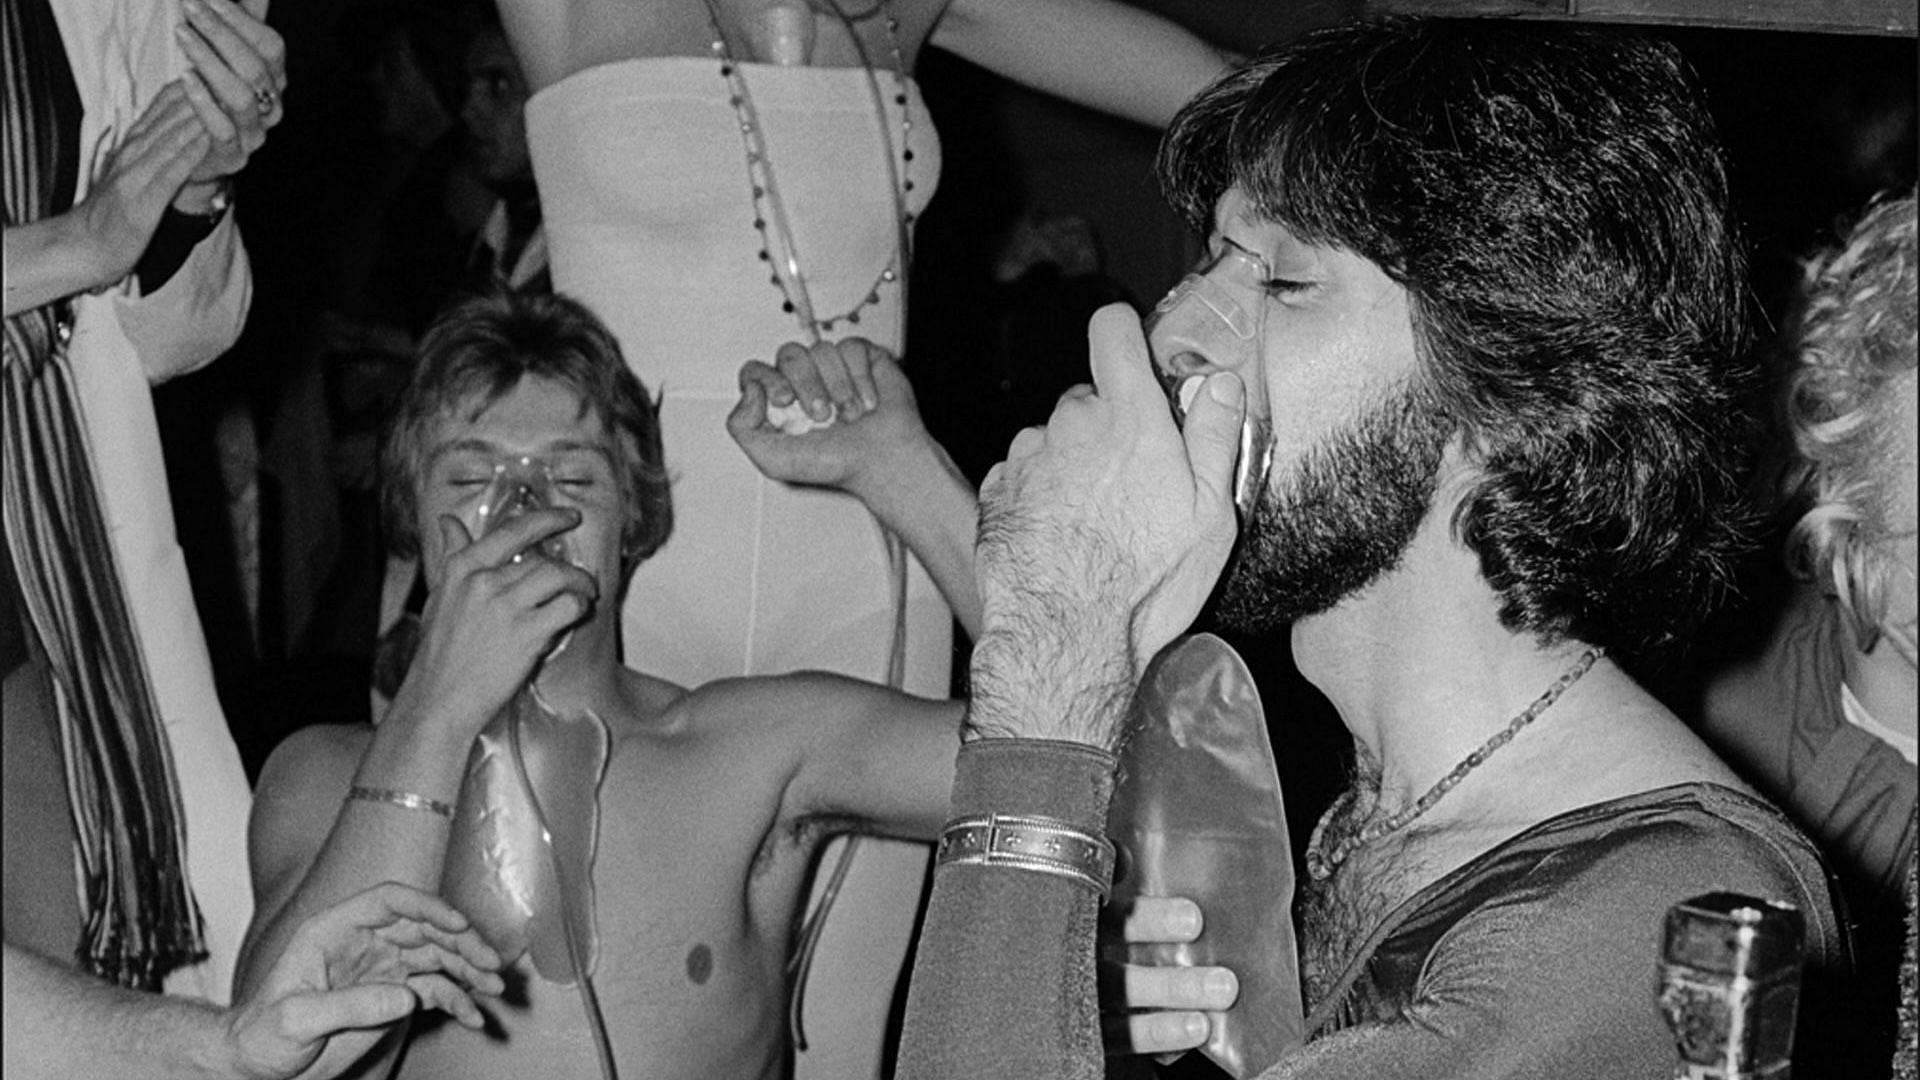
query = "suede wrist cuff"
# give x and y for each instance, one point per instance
(1068, 781)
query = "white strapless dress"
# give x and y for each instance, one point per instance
(649, 217)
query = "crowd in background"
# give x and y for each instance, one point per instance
(400, 182)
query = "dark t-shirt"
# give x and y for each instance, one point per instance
(1540, 957)
(1775, 715)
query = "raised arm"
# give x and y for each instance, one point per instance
(1101, 536)
(842, 415)
(1102, 54)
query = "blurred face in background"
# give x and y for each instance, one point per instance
(404, 100)
(495, 111)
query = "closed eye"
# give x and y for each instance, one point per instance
(1285, 286)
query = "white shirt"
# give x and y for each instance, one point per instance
(122, 53)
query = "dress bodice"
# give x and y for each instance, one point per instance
(650, 213)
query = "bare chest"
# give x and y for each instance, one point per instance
(1343, 916)
(695, 887)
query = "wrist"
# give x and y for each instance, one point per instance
(108, 245)
(1067, 781)
(1023, 688)
(895, 476)
(211, 1046)
(438, 724)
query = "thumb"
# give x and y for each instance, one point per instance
(751, 410)
(308, 1018)
(1212, 434)
(453, 534)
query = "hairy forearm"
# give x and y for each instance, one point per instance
(1050, 685)
(52, 259)
(61, 1024)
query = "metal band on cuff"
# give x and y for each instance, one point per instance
(1020, 842)
(404, 799)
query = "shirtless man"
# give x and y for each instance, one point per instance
(714, 801)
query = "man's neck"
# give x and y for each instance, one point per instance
(1421, 670)
(584, 676)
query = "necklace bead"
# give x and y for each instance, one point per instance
(770, 219)
(1321, 863)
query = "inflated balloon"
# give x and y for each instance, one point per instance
(1197, 813)
(520, 858)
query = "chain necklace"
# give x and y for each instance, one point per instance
(1320, 866)
(777, 246)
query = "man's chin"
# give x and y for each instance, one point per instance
(1259, 603)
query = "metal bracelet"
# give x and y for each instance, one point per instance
(1026, 842)
(404, 799)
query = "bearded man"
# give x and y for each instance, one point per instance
(1475, 289)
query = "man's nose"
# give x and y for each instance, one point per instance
(1200, 328)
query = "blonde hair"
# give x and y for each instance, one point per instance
(1854, 344)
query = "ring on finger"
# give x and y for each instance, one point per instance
(267, 100)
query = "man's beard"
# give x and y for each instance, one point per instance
(1341, 518)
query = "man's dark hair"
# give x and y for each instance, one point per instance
(475, 353)
(1554, 201)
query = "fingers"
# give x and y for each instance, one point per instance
(1212, 435)
(801, 367)
(1154, 919)
(424, 933)
(249, 25)
(749, 414)
(1154, 1010)
(1026, 443)
(1122, 367)
(559, 594)
(308, 1018)
(220, 127)
(512, 536)
(169, 107)
(835, 379)
(830, 363)
(863, 359)
(238, 53)
(439, 992)
(454, 537)
(410, 918)
(1152, 986)
(1154, 1032)
(391, 900)
(167, 130)
(239, 64)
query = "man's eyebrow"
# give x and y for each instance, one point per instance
(474, 445)
(576, 446)
(468, 445)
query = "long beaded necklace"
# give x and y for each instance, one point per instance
(1320, 866)
(777, 245)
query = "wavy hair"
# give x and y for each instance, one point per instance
(1853, 339)
(480, 349)
(1554, 201)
